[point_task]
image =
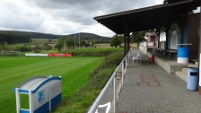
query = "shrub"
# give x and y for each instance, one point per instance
(93, 52)
(22, 48)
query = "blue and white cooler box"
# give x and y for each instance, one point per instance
(44, 94)
(182, 55)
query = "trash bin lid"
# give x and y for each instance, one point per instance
(193, 67)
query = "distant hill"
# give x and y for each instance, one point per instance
(25, 37)
(89, 36)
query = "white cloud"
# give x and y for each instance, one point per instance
(99, 29)
(63, 16)
(15, 15)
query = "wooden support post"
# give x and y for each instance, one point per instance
(125, 44)
(199, 85)
(181, 35)
(158, 33)
(128, 42)
(167, 28)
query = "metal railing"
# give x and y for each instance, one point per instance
(123, 65)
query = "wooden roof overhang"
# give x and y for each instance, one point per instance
(147, 18)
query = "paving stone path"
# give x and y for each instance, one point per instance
(149, 89)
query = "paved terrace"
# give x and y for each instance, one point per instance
(149, 89)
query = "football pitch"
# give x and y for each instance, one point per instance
(15, 70)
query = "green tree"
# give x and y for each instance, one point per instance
(86, 44)
(70, 43)
(36, 48)
(4, 46)
(82, 43)
(138, 37)
(116, 41)
(60, 44)
(46, 47)
(93, 42)
(22, 48)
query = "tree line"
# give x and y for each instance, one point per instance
(4, 46)
(116, 41)
(70, 43)
(12, 37)
(136, 37)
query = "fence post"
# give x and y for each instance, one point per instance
(126, 60)
(125, 65)
(17, 100)
(122, 74)
(114, 82)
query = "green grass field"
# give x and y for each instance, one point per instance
(39, 40)
(15, 70)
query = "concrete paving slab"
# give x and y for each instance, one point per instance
(150, 89)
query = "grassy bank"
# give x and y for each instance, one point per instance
(83, 98)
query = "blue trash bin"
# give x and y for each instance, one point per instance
(192, 79)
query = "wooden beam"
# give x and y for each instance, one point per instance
(126, 29)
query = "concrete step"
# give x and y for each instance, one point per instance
(185, 70)
(196, 63)
(182, 75)
(193, 65)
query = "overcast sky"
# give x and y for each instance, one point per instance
(63, 16)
